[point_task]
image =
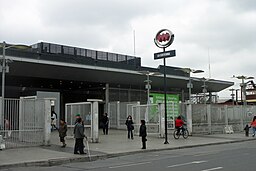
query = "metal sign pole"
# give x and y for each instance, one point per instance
(163, 39)
(165, 102)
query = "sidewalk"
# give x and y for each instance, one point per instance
(114, 144)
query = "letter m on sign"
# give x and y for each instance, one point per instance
(163, 37)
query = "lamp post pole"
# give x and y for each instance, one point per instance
(243, 95)
(3, 83)
(4, 71)
(148, 87)
(189, 86)
(189, 89)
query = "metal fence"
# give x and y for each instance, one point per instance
(24, 122)
(213, 118)
(151, 114)
(84, 109)
(118, 113)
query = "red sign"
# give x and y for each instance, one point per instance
(164, 38)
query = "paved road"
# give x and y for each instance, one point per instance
(235, 157)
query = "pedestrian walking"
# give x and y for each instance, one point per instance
(7, 128)
(246, 129)
(63, 132)
(143, 133)
(79, 137)
(53, 120)
(105, 121)
(253, 125)
(130, 127)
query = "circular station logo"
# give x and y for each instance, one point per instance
(164, 38)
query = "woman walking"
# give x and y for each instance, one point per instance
(130, 127)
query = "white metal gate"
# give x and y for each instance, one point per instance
(24, 122)
(84, 109)
(151, 114)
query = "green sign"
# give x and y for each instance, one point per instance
(172, 103)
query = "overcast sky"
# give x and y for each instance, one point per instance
(223, 31)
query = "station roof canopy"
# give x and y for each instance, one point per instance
(58, 62)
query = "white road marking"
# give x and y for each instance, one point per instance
(127, 165)
(203, 154)
(184, 164)
(216, 168)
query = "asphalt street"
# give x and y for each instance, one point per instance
(226, 157)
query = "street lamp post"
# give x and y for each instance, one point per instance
(5, 69)
(3, 84)
(232, 95)
(204, 88)
(243, 94)
(190, 86)
(148, 87)
(243, 86)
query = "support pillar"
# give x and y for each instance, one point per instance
(189, 118)
(161, 118)
(209, 118)
(107, 97)
(95, 119)
(47, 121)
(226, 114)
(118, 113)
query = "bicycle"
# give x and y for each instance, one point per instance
(183, 131)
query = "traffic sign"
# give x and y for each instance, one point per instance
(165, 54)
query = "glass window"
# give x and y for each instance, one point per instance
(55, 48)
(130, 58)
(121, 58)
(68, 50)
(80, 52)
(112, 57)
(46, 48)
(101, 55)
(91, 54)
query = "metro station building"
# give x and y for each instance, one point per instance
(72, 74)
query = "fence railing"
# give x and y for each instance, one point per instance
(24, 122)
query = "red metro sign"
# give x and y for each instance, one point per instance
(164, 38)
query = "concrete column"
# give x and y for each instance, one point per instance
(242, 115)
(21, 117)
(189, 118)
(107, 97)
(209, 118)
(226, 114)
(95, 119)
(182, 95)
(118, 115)
(1, 115)
(161, 118)
(47, 121)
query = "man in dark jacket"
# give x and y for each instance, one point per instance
(105, 121)
(143, 133)
(79, 136)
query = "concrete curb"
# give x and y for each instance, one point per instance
(85, 158)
